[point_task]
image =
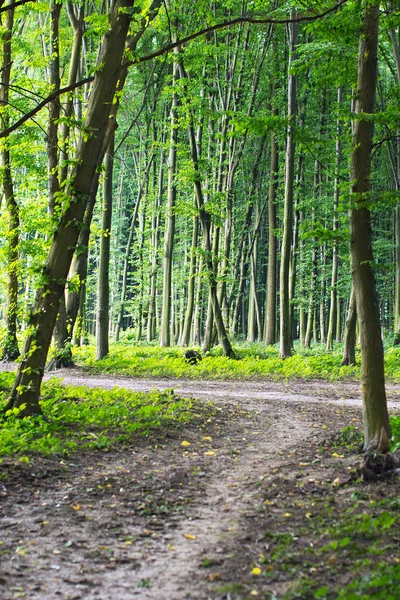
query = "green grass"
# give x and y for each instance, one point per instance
(254, 361)
(83, 418)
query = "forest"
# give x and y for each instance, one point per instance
(219, 181)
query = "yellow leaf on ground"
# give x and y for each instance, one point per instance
(287, 515)
(253, 593)
(209, 453)
(256, 571)
(336, 455)
(77, 507)
(189, 536)
(185, 443)
(206, 438)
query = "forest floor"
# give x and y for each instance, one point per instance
(252, 499)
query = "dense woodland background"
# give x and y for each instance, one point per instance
(249, 114)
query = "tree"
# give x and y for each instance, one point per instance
(89, 155)
(285, 325)
(375, 414)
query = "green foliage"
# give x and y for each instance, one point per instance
(255, 360)
(78, 418)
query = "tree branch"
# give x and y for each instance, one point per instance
(162, 51)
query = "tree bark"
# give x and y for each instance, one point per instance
(285, 325)
(103, 291)
(10, 348)
(270, 309)
(349, 347)
(335, 228)
(165, 333)
(375, 413)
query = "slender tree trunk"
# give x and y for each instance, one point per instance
(335, 228)
(128, 249)
(10, 348)
(103, 290)
(349, 347)
(375, 413)
(165, 333)
(205, 220)
(185, 339)
(90, 152)
(285, 325)
(270, 309)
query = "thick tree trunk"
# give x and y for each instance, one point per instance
(376, 419)
(103, 289)
(285, 325)
(89, 155)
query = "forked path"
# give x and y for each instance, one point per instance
(144, 521)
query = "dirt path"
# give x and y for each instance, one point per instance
(162, 521)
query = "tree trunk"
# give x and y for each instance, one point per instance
(165, 333)
(335, 228)
(270, 309)
(375, 414)
(103, 290)
(10, 348)
(349, 348)
(285, 325)
(89, 156)
(185, 339)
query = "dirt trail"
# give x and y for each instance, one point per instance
(139, 522)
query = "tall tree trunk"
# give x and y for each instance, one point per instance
(89, 156)
(285, 325)
(375, 413)
(165, 333)
(335, 228)
(103, 289)
(10, 348)
(270, 309)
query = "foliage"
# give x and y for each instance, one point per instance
(81, 418)
(254, 360)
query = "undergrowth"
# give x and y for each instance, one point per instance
(253, 361)
(88, 418)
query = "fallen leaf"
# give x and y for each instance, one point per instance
(77, 507)
(185, 443)
(189, 536)
(253, 593)
(287, 515)
(206, 438)
(214, 577)
(256, 571)
(209, 453)
(336, 482)
(336, 455)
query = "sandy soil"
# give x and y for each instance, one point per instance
(156, 520)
